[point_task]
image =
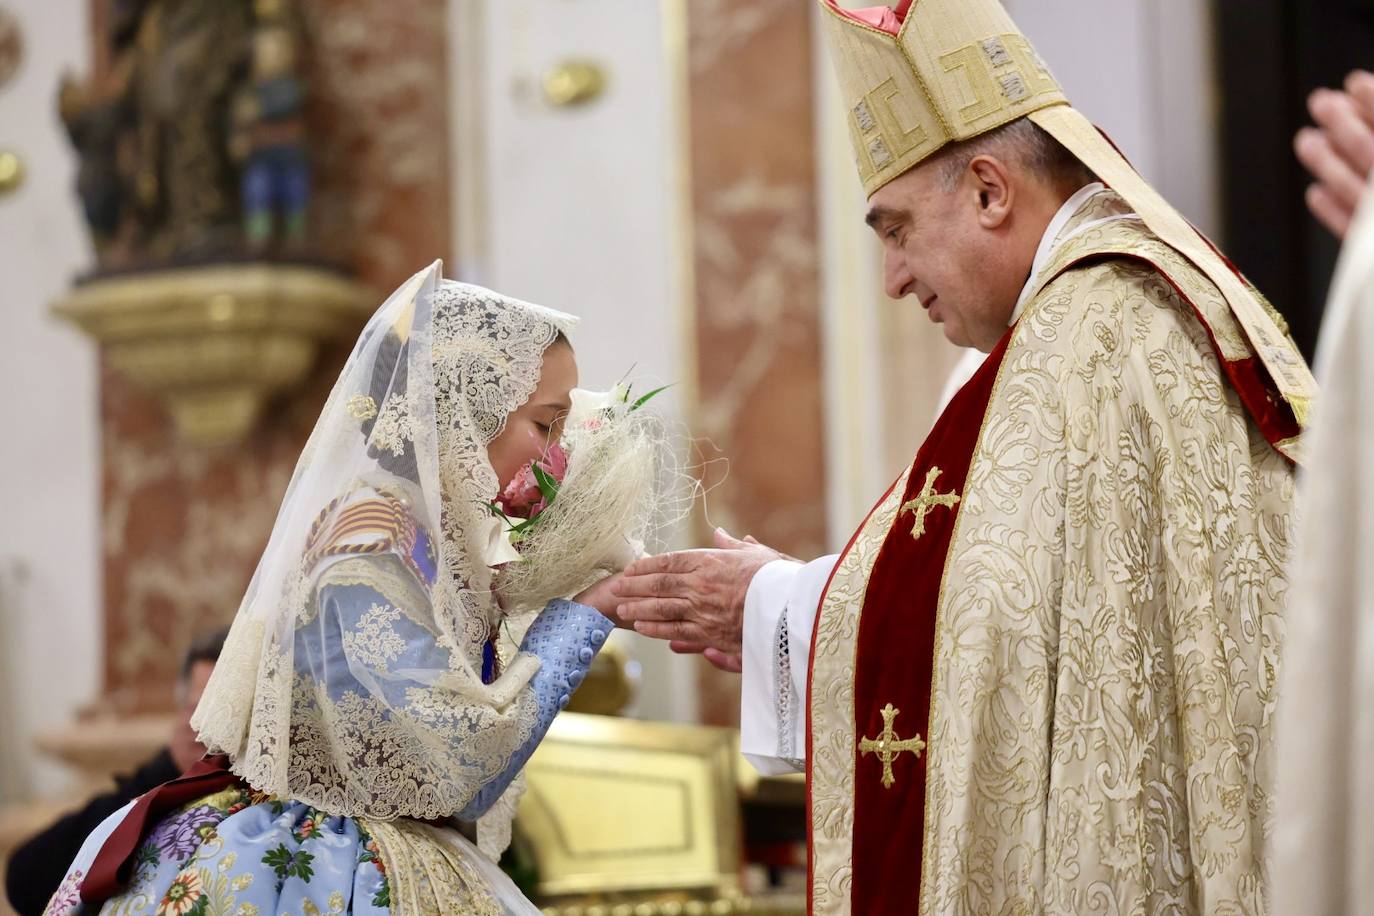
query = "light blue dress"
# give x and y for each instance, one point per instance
(237, 852)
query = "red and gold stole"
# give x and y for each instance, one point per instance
(870, 679)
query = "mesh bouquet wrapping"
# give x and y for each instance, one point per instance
(612, 499)
(378, 708)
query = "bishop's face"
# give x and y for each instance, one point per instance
(940, 248)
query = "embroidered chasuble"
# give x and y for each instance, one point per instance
(1043, 672)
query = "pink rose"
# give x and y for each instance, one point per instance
(522, 497)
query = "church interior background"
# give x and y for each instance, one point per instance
(675, 171)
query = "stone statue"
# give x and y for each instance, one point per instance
(269, 133)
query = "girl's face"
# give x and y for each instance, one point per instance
(538, 423)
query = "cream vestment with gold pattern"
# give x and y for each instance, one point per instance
(1108, 627)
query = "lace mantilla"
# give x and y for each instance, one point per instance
(378, 557)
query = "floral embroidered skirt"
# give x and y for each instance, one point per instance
(239, 854)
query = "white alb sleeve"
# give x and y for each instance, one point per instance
(779, 617)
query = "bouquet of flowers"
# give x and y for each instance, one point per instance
(585, 508)
(530, 492)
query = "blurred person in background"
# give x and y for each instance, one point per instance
(1325, 797)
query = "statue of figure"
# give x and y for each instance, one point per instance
(269, 133)
(192, 139)
(94, 128)
(100, 118)
(194, 56)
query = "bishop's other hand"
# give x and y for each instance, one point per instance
(1339, 150)
(695, 598)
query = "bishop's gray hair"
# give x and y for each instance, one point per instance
(1023, 142)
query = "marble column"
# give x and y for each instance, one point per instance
(753, 165)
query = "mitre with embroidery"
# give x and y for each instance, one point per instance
(933, 72)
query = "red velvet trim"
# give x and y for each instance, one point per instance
(895, 652)
(113, 866)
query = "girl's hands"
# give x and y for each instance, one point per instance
(602, 597)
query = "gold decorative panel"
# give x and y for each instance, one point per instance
(617, 807)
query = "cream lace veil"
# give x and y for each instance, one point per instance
(387, 715)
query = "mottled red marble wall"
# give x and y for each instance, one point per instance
(381, 111)
(183, 527)
(757, 314)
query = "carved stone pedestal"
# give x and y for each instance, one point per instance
(216, 343)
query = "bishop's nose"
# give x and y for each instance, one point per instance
(897, 278)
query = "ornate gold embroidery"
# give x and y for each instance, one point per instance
(833, 730)
(428, 874)
(928, 499)
(362, 407)
(884, 137)
(888, 746)
(1110, 619)
(1133, 237)
(974, 64)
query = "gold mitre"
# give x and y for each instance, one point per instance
(929, 73)
(933, 72)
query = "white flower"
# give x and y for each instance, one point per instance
(587, 404)
(496, 537)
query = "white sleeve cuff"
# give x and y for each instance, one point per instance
(779, 617)
(765, 605)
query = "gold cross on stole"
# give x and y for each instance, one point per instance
(887, 747)
(927, 500)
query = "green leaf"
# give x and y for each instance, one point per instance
(279, 860)
(548, 486)
(515, 526)
(301, 865)
(147, 854)
(648, 397)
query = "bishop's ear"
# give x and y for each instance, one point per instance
(993, 187)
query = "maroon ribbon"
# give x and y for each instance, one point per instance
(113, 865)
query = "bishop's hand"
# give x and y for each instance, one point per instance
(695, 598)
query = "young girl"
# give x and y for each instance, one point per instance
(361, 705)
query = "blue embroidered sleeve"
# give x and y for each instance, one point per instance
(565, 638)
(363, 644)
